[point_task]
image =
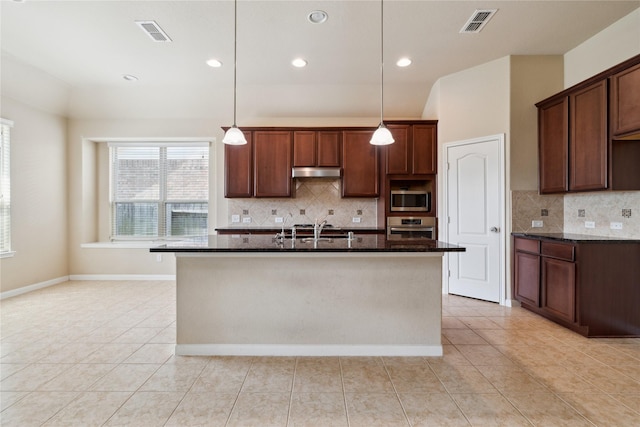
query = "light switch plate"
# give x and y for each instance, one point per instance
(537, 224)
(279, 220)
(355, 219)
(616, 226)
(589, 224)
(235, 218)
(246, 220)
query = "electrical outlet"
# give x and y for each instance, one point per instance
(589, 224)
(616, 226)
(355, 219)
(279, 220)
(246, 220)
(158, 257)
(537, 224)
(235, 218)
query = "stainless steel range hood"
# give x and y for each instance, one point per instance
(316, 172)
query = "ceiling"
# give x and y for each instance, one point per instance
(90, 45)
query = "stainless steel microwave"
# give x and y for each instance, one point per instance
(410, 201)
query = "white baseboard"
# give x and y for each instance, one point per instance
(34, 287)
(512, 303)
(122, 277)
(306, 350)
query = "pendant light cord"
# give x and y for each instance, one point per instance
(235, 57)
(381, 61)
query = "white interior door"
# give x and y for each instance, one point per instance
(475, 209)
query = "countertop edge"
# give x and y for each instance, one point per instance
(576, 238)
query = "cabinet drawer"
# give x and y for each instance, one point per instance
(527, 245)
(558, 250)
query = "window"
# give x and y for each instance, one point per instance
(159, 191)
(5, 188)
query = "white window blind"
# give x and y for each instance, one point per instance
(5, 186)
(159, 190)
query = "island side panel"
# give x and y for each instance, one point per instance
(310, 304)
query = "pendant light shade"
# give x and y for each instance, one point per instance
(382, 135)
(234, 136)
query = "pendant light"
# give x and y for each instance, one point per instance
(382, 135)
(234, 136)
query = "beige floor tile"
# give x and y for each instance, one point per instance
(484, 355)
(476, 323)
(223, 375)
(317, 409)
(270, 375)
(112, 353)
(319, 375)
(260, 410)
(33, 376)
(632, 401)
(630, 370)
(89, 409)
(463, 336)
(125, 377)
(75, 352)
(414, 379)
(35, 408)
(146, 408)
(173, 377)
(449, 322)
(8, 398)
(366, 378)
(451, 356)
(375, 409)
(489, 409)
(608, 379)
(560, 380)
(463, 379)
(138, 335)
(77, 378)
(509, 379)
(547, 409)
(602, 409)
(151, 353)
(104, 334)
(203, 409)
(165, 336)
(7, 369)
(432, 409)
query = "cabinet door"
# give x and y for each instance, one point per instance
(328, 148)
(238, 171)
(399, 154)
(304, 148)
(588, 138)
(272, 163)
(360, 177)
(424, 159)
(553, 146)
(625, 101)
(559, 288)
(527, 278)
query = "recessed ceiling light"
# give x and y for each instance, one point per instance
(214, 63)
(317, 17)
(299, 63)
(129, 77)
(403, 62)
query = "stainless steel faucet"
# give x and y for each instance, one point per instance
(317, 228)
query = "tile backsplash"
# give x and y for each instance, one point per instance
(568, 213)
(314, 198)
(622, 208)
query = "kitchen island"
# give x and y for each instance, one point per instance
(258, 295)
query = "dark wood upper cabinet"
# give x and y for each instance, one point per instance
(425, 146)
(238, 169)
(304, 148)
(625, 102)
(272, 163)
(414, 150)
(328, 149)
(588, 138)
(360, 165)
(553, 146)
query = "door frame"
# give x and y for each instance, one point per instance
(502, 275)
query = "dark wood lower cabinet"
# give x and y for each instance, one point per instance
(589, 285)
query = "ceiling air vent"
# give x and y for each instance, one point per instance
(154, 31)
(478, 20)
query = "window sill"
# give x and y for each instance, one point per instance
(122, 245)
(8, 254)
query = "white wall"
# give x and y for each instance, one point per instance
(613, 45)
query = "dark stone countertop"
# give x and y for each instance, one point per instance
(267, 243)
(244, 229)
(575, 238)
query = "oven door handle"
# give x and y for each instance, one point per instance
(392, 229)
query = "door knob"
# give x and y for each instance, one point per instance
(494, 229)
